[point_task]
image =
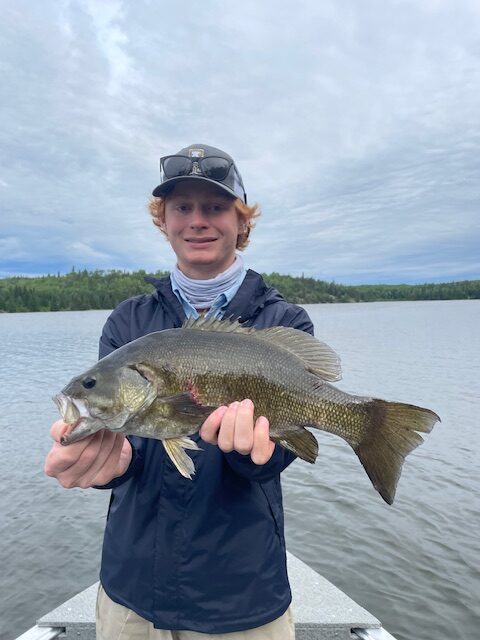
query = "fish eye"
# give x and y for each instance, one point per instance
(89, 382)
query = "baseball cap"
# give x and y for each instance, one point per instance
(200, 162)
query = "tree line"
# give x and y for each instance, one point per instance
(79, 290)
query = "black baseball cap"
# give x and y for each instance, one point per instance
(200, 162)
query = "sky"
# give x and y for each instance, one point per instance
(355, 126)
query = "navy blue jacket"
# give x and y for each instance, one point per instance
(206, 554)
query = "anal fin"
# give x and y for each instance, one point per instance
(299, 441)
(175, 448)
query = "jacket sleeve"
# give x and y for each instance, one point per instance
(297, 318)
(116, 330)
(244, 465)
(115, 334)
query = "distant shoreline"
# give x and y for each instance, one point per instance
(89, 290)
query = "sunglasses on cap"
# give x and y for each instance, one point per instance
(200, 163)
(212, 167)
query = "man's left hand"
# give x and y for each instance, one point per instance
(233, 428)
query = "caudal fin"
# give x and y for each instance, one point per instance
(391, 436)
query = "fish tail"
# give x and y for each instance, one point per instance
(391, 434)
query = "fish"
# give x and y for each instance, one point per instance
(164, 385)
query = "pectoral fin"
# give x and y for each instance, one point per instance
(185, 404)
(175, 448)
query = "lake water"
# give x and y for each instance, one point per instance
(414, 565)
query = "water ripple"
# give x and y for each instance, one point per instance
(414, 565)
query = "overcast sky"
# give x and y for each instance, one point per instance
(355, 125)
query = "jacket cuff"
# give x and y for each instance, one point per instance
(244, 465)
(136, 463)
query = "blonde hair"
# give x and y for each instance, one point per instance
(247, 214)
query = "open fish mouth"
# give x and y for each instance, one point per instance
(68, 409)
(74, 413)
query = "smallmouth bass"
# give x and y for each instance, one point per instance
(164, 385)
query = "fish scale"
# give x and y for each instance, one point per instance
(174, 379)
(267, 376)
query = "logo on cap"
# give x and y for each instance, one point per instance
(196, 153)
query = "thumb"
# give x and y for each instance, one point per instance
(58, 429)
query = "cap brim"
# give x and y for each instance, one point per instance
(168, 185)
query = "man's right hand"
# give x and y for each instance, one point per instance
(95, 460)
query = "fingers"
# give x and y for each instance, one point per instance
(110, 464)
(105, 454)
(93, 460)
(69, 464)
(210, 427)
(61, 458)
(234, 428)
(244, 427)
(263, 447)
(226, 434)
(58, 429)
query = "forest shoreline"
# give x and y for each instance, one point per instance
(99, 289)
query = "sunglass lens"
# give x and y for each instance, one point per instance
(215, 168)
(176, 166)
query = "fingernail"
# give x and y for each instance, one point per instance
(234, 405)
(247, 403)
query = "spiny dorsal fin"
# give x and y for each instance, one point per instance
(214, 324)
(317, 356)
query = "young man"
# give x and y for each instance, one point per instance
(186, 559)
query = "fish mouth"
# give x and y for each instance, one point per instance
(74, 413)
(68, 409)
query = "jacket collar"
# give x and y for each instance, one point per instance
(249, 300)
(253, 295)
(170, 303)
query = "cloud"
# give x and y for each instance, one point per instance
(355, 127)
(12, 247)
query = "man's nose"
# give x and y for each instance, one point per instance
(198, 217)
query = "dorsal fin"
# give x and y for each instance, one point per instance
(317, 357)
(214, 324)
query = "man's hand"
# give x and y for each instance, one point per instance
(233, 428)
(95, 460)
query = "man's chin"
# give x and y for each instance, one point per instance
(203, 267)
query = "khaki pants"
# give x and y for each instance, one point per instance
(115, 622)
